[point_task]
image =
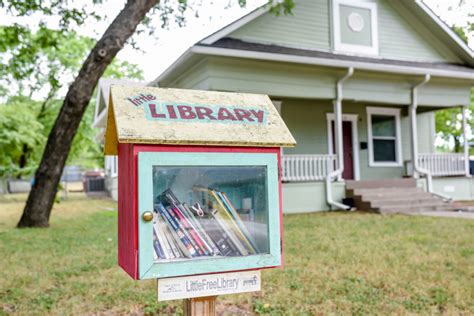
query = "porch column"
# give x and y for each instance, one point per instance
(466, 141)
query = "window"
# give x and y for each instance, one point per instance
(383, 127)
(224, 209)
(355, 27)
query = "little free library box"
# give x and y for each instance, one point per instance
(199, 181)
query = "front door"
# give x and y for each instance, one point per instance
(348, 173)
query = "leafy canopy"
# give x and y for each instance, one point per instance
(35, 69)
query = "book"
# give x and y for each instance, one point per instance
(238, 220)
(170, 240)
(172, 204)
(228, 222)
(192, 232)
(184, 251)
(161, 239)
(210, 227)
(171, 211)
(198, 233)
(222, 241)
(157, 247)
(177, 229)
(207, 239)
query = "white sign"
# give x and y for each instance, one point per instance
(208, 285)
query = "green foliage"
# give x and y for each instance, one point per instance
(35, 67)
(20, 135)
(449, 126)
(461, 32)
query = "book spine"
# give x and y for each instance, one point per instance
(187, 225)
(157, 246)
(184, 251)
(169, 241)
(179, 232)
(185, 232)
(175, 211)
(172, 242)
(161, 239)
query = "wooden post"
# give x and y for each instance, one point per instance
(200, 306)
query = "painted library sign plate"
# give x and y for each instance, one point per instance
(172, 116)
(208, 285)
(173, 111)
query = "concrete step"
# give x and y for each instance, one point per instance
(385, 183)
(394, 196)
(412, 200)
(407, 204)
(416, 209)
(387, 192)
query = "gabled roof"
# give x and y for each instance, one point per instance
(149, 115)
(218, 44)
(418, 7)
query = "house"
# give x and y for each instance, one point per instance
(357, 82)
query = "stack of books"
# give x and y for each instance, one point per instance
(209, 227)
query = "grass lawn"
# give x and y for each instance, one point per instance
(335, 263)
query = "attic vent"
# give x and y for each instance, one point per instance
(355, 22)
(355, 27)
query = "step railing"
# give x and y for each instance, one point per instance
(443, 165)
(299, 168)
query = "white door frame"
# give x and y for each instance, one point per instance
(353, 118)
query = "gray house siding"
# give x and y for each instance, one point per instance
(401, 36)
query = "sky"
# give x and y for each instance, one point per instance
(159, 51)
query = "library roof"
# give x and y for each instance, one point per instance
(149, 115)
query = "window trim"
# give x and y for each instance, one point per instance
(340, 47)
(398, 141)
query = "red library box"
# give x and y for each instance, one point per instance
(199, 187)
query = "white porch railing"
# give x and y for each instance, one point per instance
(442, 165)
(307, 167)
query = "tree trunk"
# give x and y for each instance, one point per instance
(41, 198)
